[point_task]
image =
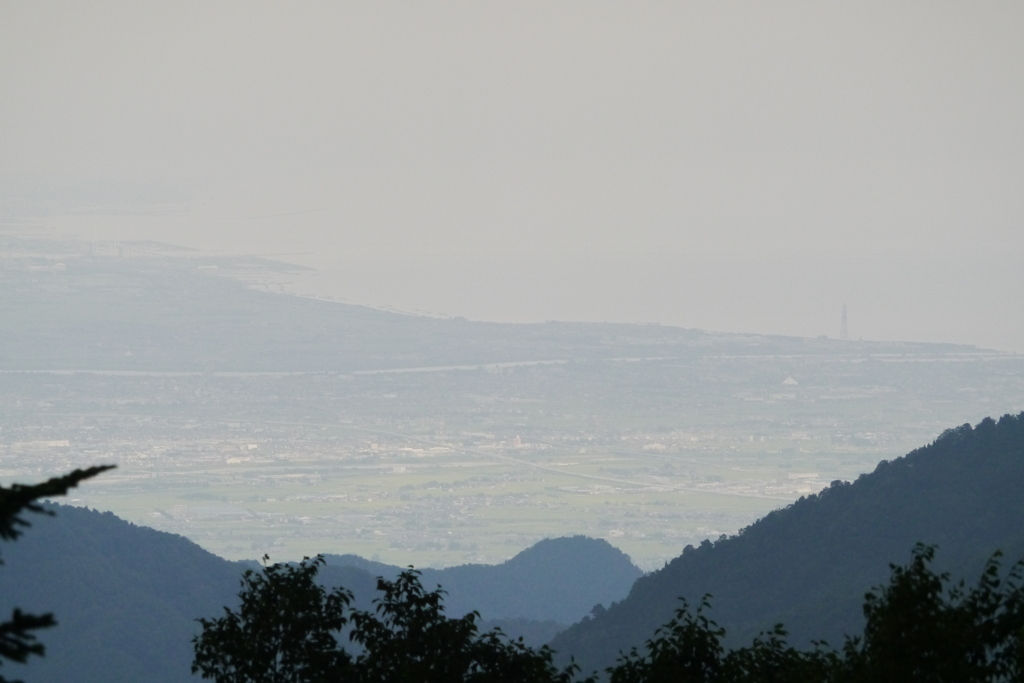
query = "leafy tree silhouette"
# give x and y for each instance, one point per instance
(285, 630)
(288, 629)
(408, 638)
(18, 641)
(918, 629)
(688, 649)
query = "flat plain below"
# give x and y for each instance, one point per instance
(255, 423)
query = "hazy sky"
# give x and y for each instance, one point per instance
(741, 166)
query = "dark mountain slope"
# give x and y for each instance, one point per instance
(125, 596)
(558, 579)
(809, 564)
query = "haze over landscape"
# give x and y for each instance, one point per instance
(562, 303)
(738, 168)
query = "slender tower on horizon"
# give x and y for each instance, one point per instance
(842, 329)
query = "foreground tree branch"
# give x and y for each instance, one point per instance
(18, 641)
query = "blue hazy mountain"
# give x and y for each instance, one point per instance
(558, 579)
(808, 565)
(126, 597)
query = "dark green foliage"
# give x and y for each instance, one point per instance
(408, 638)
(290, 630)
(918, 629)
(806, 565)
(283, 632)
(127, 597)
(533, 632)
(689, 649)
(20, 498)
(17, 640)
(17, 635)
(921, 629)
(770, 659)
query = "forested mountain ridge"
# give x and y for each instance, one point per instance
(808, 565)
(559, 579)
(125, 597)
